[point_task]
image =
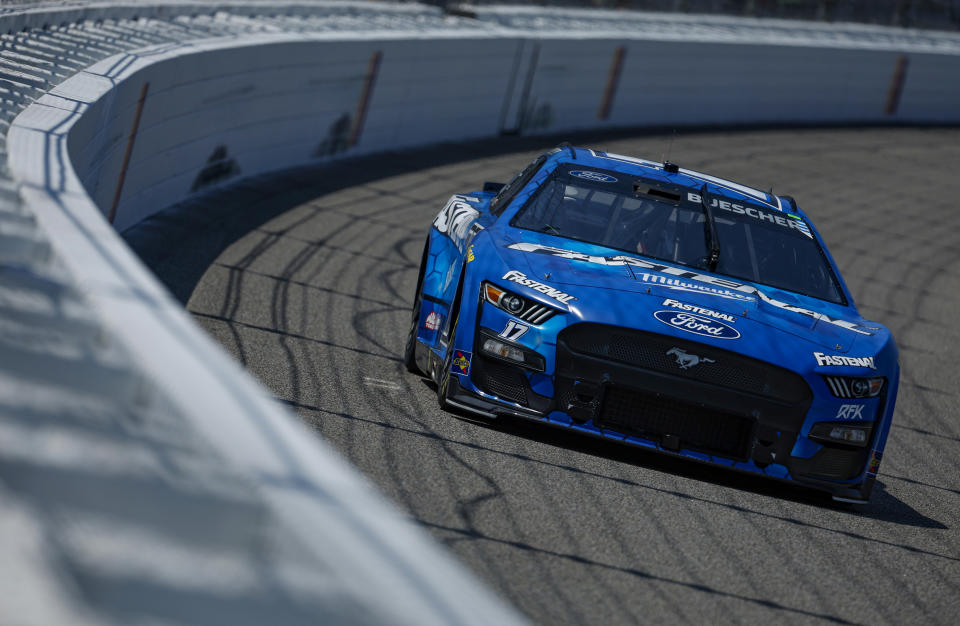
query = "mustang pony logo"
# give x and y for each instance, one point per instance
(686, 361)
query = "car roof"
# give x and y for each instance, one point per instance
(684, 177)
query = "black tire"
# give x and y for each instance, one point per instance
(443, 384)
(410, 349)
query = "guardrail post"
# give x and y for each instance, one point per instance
(126, 155)
(361, 114)
(613, 79)
(896, 85)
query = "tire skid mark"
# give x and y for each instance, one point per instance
(310, 287)
(304, 338)
(466, 507)
(661, 528)
(325, 244)
(790, 521)
(770, 604)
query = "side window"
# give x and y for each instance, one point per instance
(502, 199)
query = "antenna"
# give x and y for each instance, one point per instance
(669, 147)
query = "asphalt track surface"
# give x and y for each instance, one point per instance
(307, 278)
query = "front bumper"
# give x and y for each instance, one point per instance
(728, 410)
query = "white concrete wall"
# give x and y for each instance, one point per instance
(272, 101)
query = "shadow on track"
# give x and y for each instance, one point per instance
(883, 506)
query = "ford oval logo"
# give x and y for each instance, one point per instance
(594, 176)
(697, 324)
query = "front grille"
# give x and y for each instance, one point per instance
(833, 463)
(661, 353)
(536, 313)
(698, 428)
(500, 379)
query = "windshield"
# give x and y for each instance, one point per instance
(648, 217)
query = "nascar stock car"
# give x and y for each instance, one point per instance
(660, 307)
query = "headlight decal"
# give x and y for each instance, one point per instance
(854, 387)
(516, 305)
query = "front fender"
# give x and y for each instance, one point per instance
(449, 250)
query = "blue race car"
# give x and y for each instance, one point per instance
(660, 307)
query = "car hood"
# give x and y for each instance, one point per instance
(610, 288)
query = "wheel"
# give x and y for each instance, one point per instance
(410, 349)
(443, 384)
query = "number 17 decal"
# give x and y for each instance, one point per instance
(514, 331)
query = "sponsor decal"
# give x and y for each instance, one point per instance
(594, 176)
(679, 285)
(433, 321)
(874, 466)
(699, 310)
(850, 412)
(696, 324)
(849, 361)
(686, 360)
(521, 279)
(461, 362)
(726, 287)
(455, 218)
(470, 256)
(724, 205)
(514, 331)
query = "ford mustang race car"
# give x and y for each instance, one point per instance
(660, 307)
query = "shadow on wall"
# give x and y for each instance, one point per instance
(337, 139)
(219, 168)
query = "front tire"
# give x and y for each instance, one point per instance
(410, 349)
(443, 384)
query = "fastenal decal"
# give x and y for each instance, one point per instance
(794, 222)
(594, 176)
(686, 360)
(433, 321)
(697, 325)
(700, 310)
(850, 412)
(461, 362)
(726, 285)
(849, 361)
(521, 279)
(455, 218)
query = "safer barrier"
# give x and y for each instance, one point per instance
(146, 112)
(233, 107)
(242, 105)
